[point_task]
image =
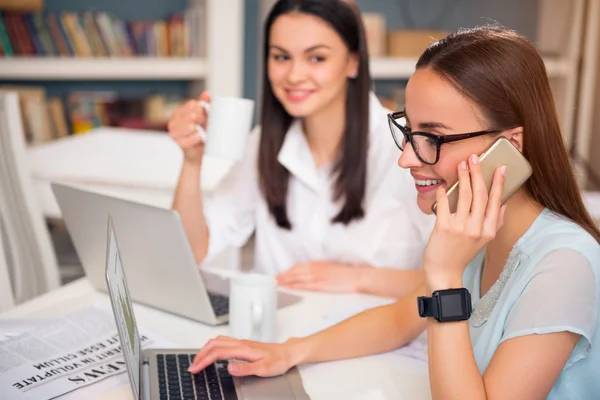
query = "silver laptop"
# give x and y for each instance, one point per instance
(162, 373)
(160, 264)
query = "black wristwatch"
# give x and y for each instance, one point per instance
(446, 305)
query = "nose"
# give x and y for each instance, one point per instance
(408, 158)
(297, 72)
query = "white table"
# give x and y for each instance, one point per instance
(137, 165)
(385, 376)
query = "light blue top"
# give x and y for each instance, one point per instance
(551, 283)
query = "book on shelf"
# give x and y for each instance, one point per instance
(43, 119)
(21, 5)
(47, 118)
(100, 34)
(91, 109)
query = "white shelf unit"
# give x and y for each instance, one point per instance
(221, 72)
(403, 68)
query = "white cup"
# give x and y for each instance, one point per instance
(252, 307)
(229, 124)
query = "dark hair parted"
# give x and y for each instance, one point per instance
(503, 73)
(350, 167)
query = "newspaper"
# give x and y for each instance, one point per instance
(66, 355)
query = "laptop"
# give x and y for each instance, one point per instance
(160, 264)
(162, 373)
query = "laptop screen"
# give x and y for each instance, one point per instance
(123, 312)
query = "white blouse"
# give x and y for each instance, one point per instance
(392, 234)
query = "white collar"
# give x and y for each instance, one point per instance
(295, 154)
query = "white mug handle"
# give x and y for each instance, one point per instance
(201, 130)
(257, 313)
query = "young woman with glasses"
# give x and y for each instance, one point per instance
(318, 184)
(530, 268)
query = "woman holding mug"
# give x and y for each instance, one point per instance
(531, 266)
(317, 183)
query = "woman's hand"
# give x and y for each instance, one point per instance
(182, 128)
(457, 238)
(264, 359)
(323, 276)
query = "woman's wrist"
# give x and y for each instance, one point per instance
(442, 280)
(191, 162)
(362, 278)
(298, 350)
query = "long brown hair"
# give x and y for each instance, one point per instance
(351, 165)
(502, 72)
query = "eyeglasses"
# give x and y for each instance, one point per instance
(425, 145)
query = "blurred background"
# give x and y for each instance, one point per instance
(82, 67)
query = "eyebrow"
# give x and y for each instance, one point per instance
(429, 125)
(318, 46)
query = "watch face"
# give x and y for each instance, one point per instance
(452, 305)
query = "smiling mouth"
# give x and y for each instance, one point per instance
(297, 95)
(428, 182)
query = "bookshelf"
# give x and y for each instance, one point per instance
(221, 71)
(90, 56)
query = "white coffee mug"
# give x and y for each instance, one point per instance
(252, 307)
(229, 124)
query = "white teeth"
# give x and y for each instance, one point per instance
(428, 182)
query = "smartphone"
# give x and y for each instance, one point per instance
(501, 152)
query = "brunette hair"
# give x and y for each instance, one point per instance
(503, 73)
(351, 165)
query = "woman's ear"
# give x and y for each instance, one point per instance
(515, 136)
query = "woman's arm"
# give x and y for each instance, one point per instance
(522, 368)
(324, 276)
(187, 199)
(229, 218)
(389, 282)
(525, 365)
(373, 331)
(188, 203)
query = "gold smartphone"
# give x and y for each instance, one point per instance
(501, 152)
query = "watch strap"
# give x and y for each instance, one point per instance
(428, 307)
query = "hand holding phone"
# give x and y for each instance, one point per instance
(501, 152)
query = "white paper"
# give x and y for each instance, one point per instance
(10, 328)
(64, 356)
(416, 349)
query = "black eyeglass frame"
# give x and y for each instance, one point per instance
(438, 139)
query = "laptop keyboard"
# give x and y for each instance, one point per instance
(219, 303)
(175, 383)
